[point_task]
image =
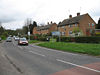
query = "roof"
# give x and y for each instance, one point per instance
(72, 20)
(44, 27)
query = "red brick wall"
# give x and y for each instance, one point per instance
(46, 31)
(35, 30)
(84, 24)
(53, 28)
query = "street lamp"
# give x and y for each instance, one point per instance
(28, 33)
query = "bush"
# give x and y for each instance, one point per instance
(42, 39)
(80, 39)
(65, 39)
(31, 37)
(3, 37)
(87, 39)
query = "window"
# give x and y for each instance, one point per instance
(63, 33)
(89, 24)
(63, 26)
(92, 24)
(75, 25)
(70, 32)
(70, 25)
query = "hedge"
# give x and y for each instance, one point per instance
(42, 39)
(80, 39)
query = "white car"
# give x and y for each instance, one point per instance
(8, 39)
(16, 38)
(22, 41)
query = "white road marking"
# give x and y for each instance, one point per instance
(78, 65)
(55, 50)
(37, 53)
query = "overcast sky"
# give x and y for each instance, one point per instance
(13, 13)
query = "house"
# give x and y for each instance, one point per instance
(46, 29)
(81, 24)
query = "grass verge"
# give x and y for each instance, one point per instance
(33, 41)
(91, 49)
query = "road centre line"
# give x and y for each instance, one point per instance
(78, 65)
(37, 53)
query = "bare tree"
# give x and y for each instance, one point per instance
(28, 24)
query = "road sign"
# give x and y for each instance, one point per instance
(56, 33)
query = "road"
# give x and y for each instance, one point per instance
(35, 60)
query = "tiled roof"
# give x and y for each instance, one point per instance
(72, 20)
(44, 27)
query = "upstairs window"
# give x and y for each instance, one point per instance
(92, 24)
(63, 26)
(89, 24)
(70, 25)
(75, 25)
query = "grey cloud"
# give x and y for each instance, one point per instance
(9, 14)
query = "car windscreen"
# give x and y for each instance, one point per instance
(22, 39)
(8, 38)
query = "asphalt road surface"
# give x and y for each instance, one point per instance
(35, 60)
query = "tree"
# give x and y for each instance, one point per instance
(32, 26)
(77, 31)
(29, 26)
(98, 25)
(25, 29)
(1, 30)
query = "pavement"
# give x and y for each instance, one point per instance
(35, 60)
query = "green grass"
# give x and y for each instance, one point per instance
(91, 49)
(33, 41)
(3, 38)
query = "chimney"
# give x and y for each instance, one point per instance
(48, 23)
(51, 22)
(78, 14)
(70, 16)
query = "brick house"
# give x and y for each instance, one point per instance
(46, 29)
(84, 23)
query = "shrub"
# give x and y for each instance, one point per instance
(31, 37)
(42, 39)
(3, 37)
(87, 39)
(92, 39)
(65, 39)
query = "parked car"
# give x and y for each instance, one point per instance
(8, 39)
(22, 41)
(16, 38)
